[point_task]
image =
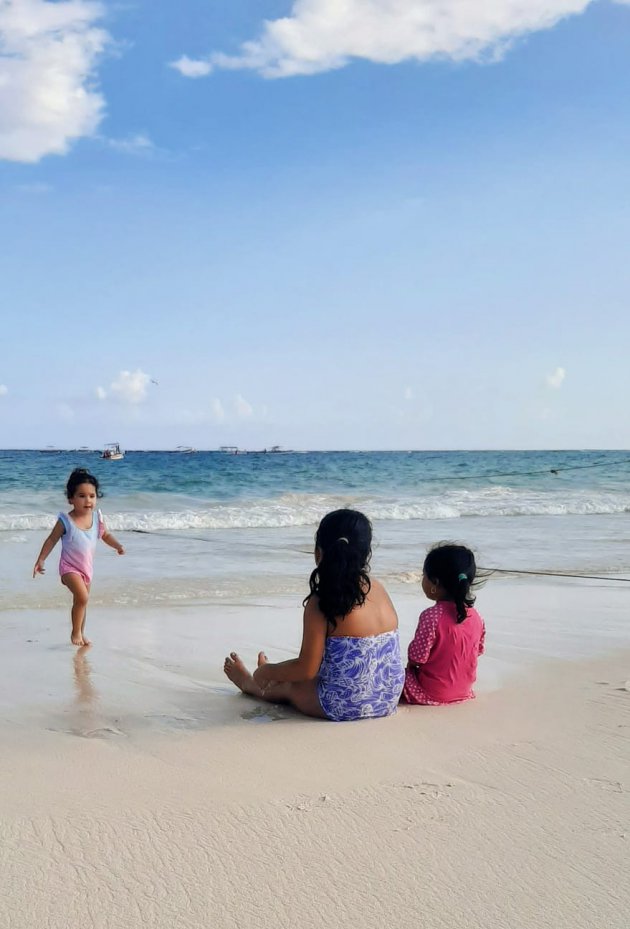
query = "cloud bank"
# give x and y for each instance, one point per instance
(320, 35)
(48, 55)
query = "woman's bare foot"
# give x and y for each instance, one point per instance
(262, 659)
(87, 641)
(236, 671)
(77, 639)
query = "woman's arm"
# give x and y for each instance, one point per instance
(306, 665)
(47, 547)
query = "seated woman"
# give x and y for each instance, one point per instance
(349, 666)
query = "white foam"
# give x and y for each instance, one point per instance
(300, 510)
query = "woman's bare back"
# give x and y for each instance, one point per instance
(375, 616)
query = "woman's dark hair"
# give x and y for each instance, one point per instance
(453, 568)
(81, 476)
(341, 579)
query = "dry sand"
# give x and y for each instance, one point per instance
(509, 811)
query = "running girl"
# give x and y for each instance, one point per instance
(79, 531)
(450, 636)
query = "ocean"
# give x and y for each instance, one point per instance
(211, 526)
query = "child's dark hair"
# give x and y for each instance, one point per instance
(81, 476)
(341, 580)
(453, 568)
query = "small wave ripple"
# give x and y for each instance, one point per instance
(300, 510)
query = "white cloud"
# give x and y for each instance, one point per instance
(4, 390)
(218, 412)
(243, 409)
(191, 68)
(320, 35)
(556, 378)
(139, 144)
(48, 53)
(131, 386)
(101, 393)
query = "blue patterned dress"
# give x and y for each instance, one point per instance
(361, 677)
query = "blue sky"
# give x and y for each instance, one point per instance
(405, 228)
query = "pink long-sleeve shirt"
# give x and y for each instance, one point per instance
(443, 656)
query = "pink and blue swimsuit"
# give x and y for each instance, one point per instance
(78, 546)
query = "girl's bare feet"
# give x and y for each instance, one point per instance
(236, 671)
(77, 639)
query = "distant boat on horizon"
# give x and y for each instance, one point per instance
(185, 450)
(112, 452)
(50, 450)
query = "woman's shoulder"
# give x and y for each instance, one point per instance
(377, 586)
(378, 593)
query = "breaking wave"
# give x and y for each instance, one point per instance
(301, 510)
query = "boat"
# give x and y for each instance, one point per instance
(113, 452)
(230, 450)
(50, 450)
(185, 450)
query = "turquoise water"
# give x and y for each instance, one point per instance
(217, 528)
(211, 490)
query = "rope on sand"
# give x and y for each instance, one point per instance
(486, 571)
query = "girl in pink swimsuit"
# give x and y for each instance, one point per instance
(451, 634)
(79, 531)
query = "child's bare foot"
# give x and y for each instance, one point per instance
(77, 639)
(236, 671)
(262, 659)
(87, 641)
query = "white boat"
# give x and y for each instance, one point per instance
(185, 450)
(113, 452)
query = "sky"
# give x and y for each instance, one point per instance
(377, 224)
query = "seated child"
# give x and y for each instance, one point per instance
(450, 636)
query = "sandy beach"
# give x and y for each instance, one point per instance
(139, 789)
